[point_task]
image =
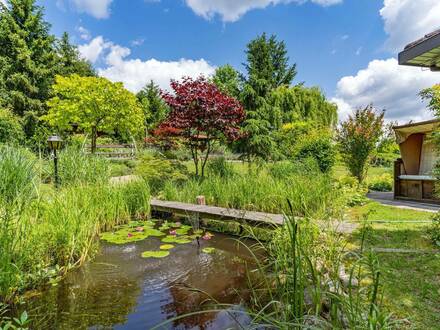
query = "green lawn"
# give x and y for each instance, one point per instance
(341, 170)
(411, 281)
(375, 211)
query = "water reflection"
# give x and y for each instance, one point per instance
(121, 290)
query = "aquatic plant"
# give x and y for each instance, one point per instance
(208, 250)
(166, 247)
(177, 239)
(155, 254)
(131, 232)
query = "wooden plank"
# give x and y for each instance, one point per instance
(214, 212)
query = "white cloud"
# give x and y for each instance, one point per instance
(93, 50)
(137, 42)
(388, 86)
(136, 73)
(3, 2)
(84, 33)
(96, 8)
(232, 10)
(408, 20)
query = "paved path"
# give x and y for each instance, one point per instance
(386, 198)
(220, 213)
(392, 250)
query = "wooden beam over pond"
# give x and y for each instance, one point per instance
(217, 213)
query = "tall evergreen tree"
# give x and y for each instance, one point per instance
(267, 68)
(69, 60)
(154, 107)
(27, 53)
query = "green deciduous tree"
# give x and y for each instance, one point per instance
(358, 137)
(28, 60)
(69, 60)
(227, 80)
(94, 105)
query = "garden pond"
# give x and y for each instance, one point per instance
(148, 272)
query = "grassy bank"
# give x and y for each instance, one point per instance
(44, 231)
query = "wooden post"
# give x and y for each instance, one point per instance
(200, 200)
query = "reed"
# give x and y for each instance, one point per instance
(311, 192)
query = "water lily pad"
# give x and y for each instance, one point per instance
(208, 250)
(155, 254)
(176, 239)
(183, 230)
(166, 246)
(130, 234)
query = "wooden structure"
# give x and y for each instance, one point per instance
(424, 52)
(413, 172)
(115, 151)
(217, 213)
(254, 218)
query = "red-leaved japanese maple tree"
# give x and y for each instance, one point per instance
(201, 114)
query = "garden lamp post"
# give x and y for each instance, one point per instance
(54, 143)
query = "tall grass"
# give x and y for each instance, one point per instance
(310, 191)
(303, 283)
(44, 234)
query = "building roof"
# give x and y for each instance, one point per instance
(404, 131)
(424, 52)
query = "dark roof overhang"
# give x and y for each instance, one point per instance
(424, 52)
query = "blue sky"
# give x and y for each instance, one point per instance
(347, 47)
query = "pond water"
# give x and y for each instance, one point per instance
(120, 289)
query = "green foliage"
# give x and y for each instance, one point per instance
(310, 191)
(388, 149)
(95, 105)
(434, 230)
(154, 107)
(158, 171)
(227, 79)
(28, 59)
(11, 130)
(317, 146)
(358, 138)
(219, 166)
(383, 182)
(59, 229)
(299, 103)
(76, 167)
(301, 140)
(69, 61)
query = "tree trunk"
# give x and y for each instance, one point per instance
(94, 137)
(208, 151)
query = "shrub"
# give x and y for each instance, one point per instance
(434, 230)
(354, 193)
(381, 183)
(11, 130)
(318, 146)
(157, 171)
(357, 139)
